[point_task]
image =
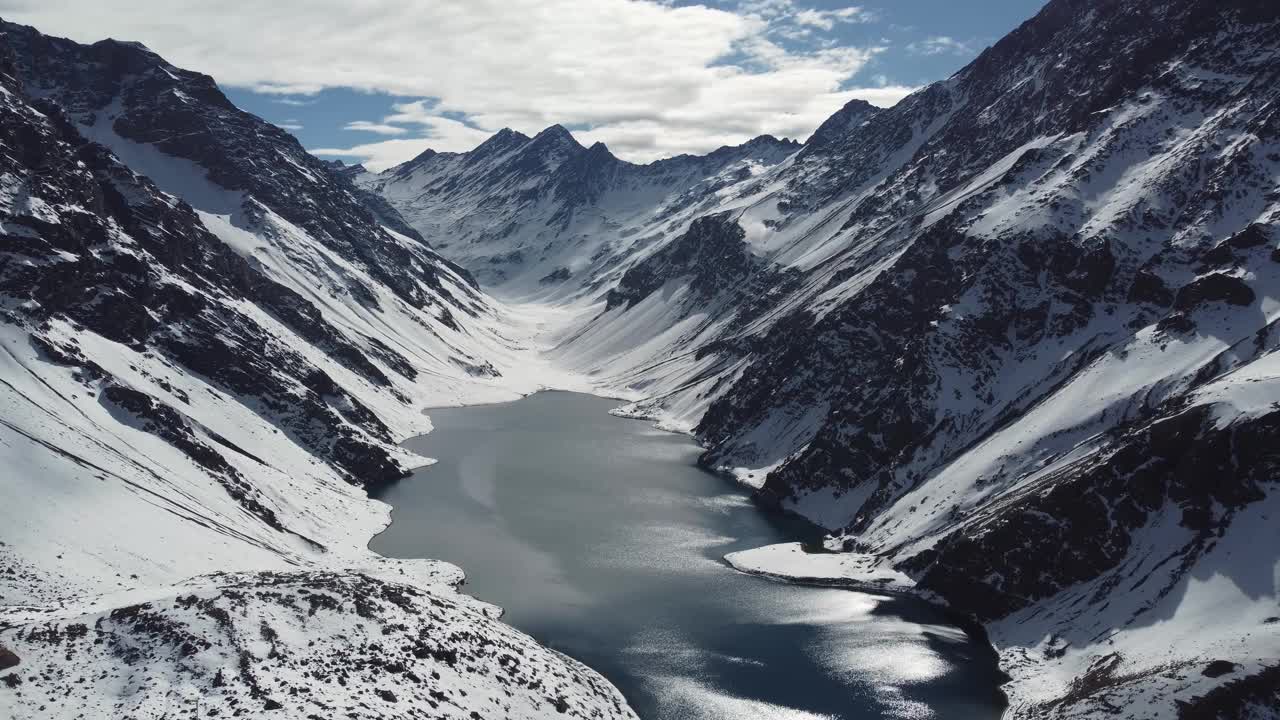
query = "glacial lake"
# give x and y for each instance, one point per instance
(600, 538)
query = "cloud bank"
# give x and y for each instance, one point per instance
(647, 78)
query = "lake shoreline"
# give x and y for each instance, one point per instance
(661, 483)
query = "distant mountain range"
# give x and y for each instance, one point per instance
(1011, 338)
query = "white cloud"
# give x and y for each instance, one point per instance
(438, 133)
(642, 140)
(289, 125)
(882, 95)
(767, 8)
(373, 127)
(417, 112)
(827, 19)
(380, 155)
(648, 78)
(941, 45)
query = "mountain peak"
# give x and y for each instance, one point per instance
(858, 105)
(136, 45)
(852, 115)
(557, 130)
(599, 149)
(556, 135)
(504, 139)
(424, 156)
(508, 134)
(769, 140)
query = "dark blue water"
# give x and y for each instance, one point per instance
(600, 538)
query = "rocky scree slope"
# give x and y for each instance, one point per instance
(1013, 336)
(211, 346)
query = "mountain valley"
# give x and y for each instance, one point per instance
(1009, 343)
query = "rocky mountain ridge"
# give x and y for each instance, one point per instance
(212, 345)
(526, 214)
(1024, 313)
(1011, 341)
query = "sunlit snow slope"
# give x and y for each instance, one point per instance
(210, 345)
(1012, 338)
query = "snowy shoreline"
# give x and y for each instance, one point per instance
(792, 564)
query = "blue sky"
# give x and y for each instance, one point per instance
(381, 80)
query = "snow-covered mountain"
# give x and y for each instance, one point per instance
(1012, 338)
(1011, 341)
(541, 216)
(212, 343)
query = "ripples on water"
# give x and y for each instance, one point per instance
(599, 537)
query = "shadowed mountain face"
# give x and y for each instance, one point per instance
(1049, 232)
(105, 248)
(1014, 335)
(211, 344)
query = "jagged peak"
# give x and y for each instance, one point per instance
(555, 131)
(507, 133)
(766, 139)
(858, 105)
(556, 135)
(409, 165)
(853, 114)
(504, 139)
(599, 150)
(424, 156)
(122, 58)
(8, 26)
(590, 162)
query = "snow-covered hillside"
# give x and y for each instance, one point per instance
(1012, 337)
(211, 345)
(1012, 341)
(543, 217)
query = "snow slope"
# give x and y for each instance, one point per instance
(1010, 337)
(537, 218)
(208, 350)
(1010, 341)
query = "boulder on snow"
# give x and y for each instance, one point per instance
(1218, 668)
(8, 658)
